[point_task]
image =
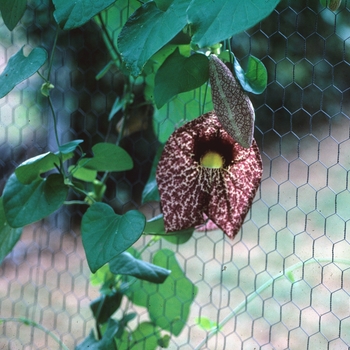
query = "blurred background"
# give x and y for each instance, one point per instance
(299, 216)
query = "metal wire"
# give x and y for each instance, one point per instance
(283, 283)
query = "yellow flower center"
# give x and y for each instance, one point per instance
(212, 160)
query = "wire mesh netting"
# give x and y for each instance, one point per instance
(284, 281)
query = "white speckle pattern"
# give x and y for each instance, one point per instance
(188, 191)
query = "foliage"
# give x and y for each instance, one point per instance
(164, 44)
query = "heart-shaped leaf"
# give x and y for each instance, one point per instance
(27, 203)
(185, 104)
(8, 236)
(106, 342)
(107, 157)
(12, 11)
(179, 74)
(106, 234)
(224, 18)
(105, 306)
(126, 264)
(70, 146)
(20, 67)
(83, 174)
(72, 14)
(254, 79)
(30, 170)
(177, 293)
(147, 30)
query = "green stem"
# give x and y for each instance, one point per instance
(54, 122)
(75, 202)
(205, 97)
(153, 240)
(31, 323)
(52, 54)
(77, 189)
(267, 284)
(108, 38)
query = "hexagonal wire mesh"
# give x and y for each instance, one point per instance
(299, 217)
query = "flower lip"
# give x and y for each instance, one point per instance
(219, 145)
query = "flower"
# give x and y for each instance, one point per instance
(204, 171)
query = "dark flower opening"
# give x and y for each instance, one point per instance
(218, 145)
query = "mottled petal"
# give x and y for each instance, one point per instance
(233, 194)
(177, 177)
(232, 106)
(189, 191)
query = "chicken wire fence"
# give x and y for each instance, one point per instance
(284, 281)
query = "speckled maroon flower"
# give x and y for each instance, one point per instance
(204, 171)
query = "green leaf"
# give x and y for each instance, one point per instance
(105, 306)
(114, 17)
(70, 146)
(20, 67)
(126, 264)
(163, 4)
(83, 174)
(12, 11)
(150, 192)
(180, 74)
(106, 234)
(215, 21)
(169, 303)
(117, 106)
(290, 276)
(254, 79)
(333, 5)
(164, 341)
(27, 203)
(102, 275)
(107, 157)
(155, 226)
(104, 70)
(106, 343)
(8, 236)
(90, 342)
(147, 30)
(206, 323)
(72, 14)
(31, 169)
(146, 335)
(189, 104)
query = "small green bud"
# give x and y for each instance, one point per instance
(46, 87)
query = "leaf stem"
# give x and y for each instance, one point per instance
(52, 53)
(54, 123)
(32, 323)
(108, 38)
(75, 202)
(241, 306)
